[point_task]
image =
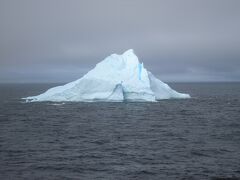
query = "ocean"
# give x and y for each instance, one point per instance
(197, 138)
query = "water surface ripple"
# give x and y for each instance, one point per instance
(196, 138)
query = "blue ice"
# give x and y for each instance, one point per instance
(139, 70)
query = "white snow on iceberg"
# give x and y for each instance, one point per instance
(117, 78)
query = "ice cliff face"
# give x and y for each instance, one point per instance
(116, 78)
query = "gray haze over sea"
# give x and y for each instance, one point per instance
(197, 138)
(178, 41)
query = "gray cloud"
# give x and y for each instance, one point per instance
(59, 40)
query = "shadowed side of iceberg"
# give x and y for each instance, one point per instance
(163, 91)
(117, 95)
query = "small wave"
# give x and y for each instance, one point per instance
(57, 104)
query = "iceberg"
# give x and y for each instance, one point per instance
(117, 78)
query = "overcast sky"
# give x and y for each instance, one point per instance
(178, 40)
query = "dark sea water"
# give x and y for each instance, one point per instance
(196, 138)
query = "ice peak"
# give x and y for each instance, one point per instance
(130, 57)
(129, 52)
